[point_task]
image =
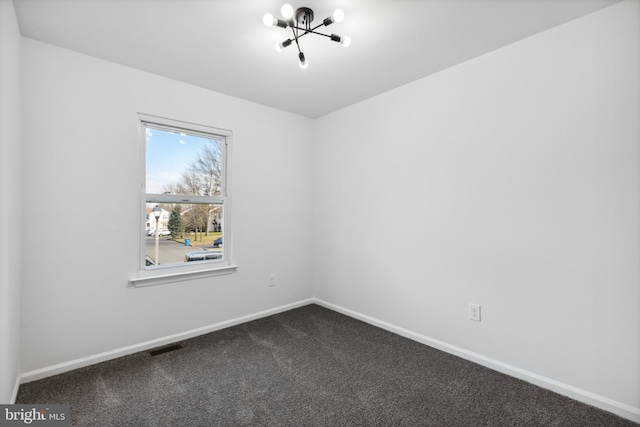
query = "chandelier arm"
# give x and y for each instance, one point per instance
(312, 32)
(306, 30)
(295, 37)
(317, 26)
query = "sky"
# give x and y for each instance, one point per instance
(168, 155)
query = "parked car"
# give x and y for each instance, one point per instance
(217, 243)
(161, 233)
(202, 256)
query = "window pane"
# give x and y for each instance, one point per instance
(183, 163)
(186, 232)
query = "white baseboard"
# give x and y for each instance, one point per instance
(135, 348)
(618, 408)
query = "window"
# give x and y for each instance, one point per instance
(185, 201)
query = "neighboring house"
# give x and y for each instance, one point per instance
(150, 220)
(215, 219)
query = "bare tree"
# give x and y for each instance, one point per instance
(208, 166)
(196, 218)
(204, 175)
(202, 178)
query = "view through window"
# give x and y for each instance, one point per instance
(185, 194)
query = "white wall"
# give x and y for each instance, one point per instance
(509, 181)
(81, 152)
(10, 204)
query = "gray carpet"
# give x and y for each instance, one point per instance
(306, 367)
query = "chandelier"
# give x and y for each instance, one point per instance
(300, 24)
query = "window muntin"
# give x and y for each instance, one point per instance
(185, 181)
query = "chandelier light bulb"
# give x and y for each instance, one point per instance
(338, 15)
(287, 11)
(282, 45)
(345, 41)
(269, 20)
(303, 61)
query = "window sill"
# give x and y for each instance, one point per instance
(159, 279)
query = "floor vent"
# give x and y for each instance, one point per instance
(166, 349)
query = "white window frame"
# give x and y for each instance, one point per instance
(187, 271)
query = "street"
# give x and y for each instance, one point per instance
(171, 252)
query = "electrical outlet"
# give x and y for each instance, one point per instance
(474, 312)
(272, 280)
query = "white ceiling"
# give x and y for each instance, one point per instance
(222, 45)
